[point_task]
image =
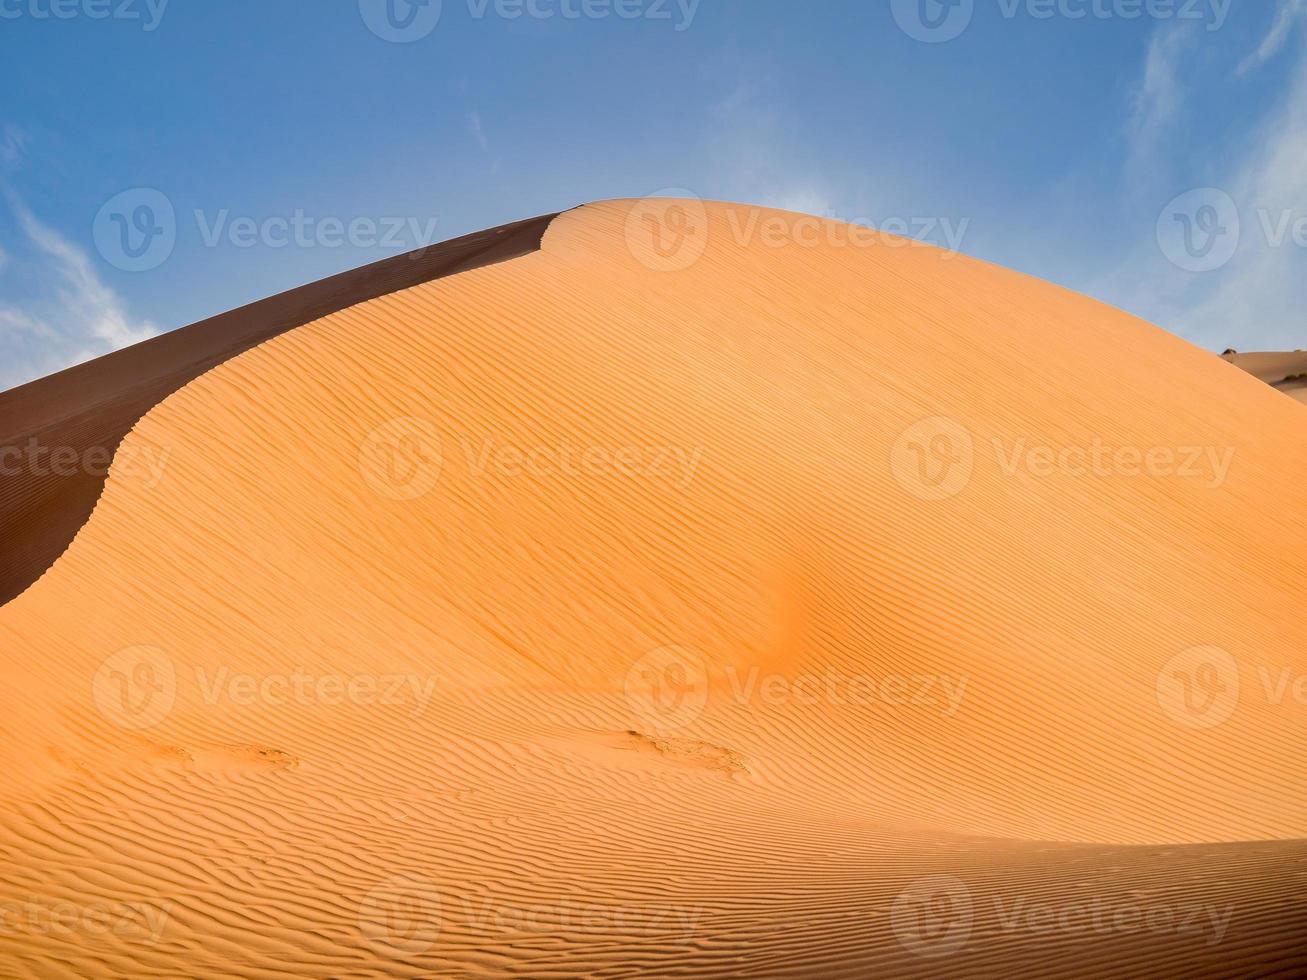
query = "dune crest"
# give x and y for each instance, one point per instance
(59, 434)
(707, 588)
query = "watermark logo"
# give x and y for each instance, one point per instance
(934, 458)
(136, 462)
(1199, 230)
(667, 232)
(133, 922)
(674, 465)
(670, 231)
(667, 688)
(401, 21)
(138, 687)
(401, 459)
(136, 231)
(650, 10)
(308, 689)
(135, 688)
(1209, 466)
(401, 916)
(939, 692)
(933, 21)
(1199, 687)
(406, 21)
(783, 229)
(933, 916)
(936, 916)
(147, 13)
(303, 230)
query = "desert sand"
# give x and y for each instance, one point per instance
(1285, 371)
(84, 412)
(709, 592)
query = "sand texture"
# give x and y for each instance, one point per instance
(712, 592)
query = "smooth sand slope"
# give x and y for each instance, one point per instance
(712, 592)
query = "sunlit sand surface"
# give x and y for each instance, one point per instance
(713, 592)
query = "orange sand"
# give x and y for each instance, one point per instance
(702, 606)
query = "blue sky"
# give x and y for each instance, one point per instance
(1150, 153)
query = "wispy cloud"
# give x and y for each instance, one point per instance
(1159, 100)
(1262, 289)
(12, 142)
(806, 201)
(478, 131)
(75, 317)
(749, 139)
(1259, 296)
(17, 321)
(1290, 14)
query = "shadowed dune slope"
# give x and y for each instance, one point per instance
(712, 592)
(58, 434)
(1285, 371)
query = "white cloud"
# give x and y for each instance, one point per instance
(78, 318)
(752, 152)
(17, 321)
(1286, 19)
(1258, 300)
(1262, 291)
(1157, 104)
(478, 131)
(12, 144)
(806, 201)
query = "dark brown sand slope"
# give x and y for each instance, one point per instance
(61, 432)
(1284, 371)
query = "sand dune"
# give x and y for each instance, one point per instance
(1285, 371)
(711, 592)
(58, 434)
